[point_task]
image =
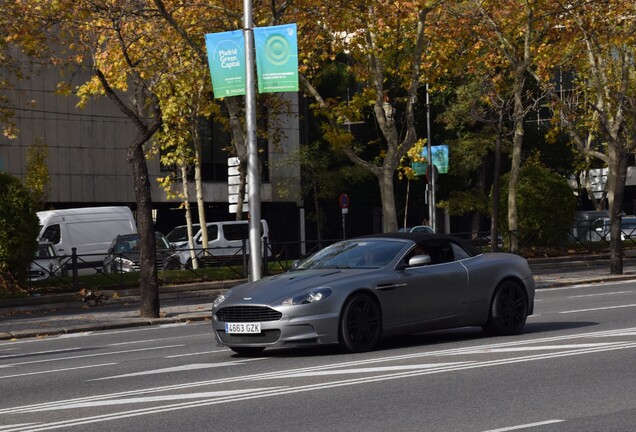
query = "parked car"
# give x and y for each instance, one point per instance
(225, 240)
(357, 291)
(602, 227)
(418, 228)
(46, 263)
(124, 254)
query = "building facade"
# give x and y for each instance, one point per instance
(87, 157)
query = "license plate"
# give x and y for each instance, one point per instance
(249, 328)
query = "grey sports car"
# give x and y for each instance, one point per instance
(357, 291)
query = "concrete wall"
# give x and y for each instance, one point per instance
(87, 147)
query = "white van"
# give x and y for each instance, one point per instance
(90, 230)
(225, 239)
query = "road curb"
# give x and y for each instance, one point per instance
(88, 327)
(112, 297)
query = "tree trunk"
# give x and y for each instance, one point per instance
(617, 176)
(389, 215)
(494, 225)
(148, 285)
(517, 141)
(188, 216)
(318, 218)
(198, 186)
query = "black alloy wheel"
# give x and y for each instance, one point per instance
(360, 323)
(508, 310)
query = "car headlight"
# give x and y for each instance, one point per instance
(307, 297)
(124, 264)
(220, 299)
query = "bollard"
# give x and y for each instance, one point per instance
(74, 263)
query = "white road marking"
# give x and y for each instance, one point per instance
(65, 350)
(369, 370)
(92, 355)
(181, 337)
(172, 369)
(74, 335)
(292, 390)
(152, 399)
(600, 294)
(320, 386)
(85, 420)
(524, 426)
(57, 370)
(586, 285)
(538, 348)
(10, 427)
(598, 309)
(198, 353)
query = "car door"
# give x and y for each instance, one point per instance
(435, 290)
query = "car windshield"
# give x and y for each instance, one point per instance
(131, 243)
(127, 244)
(354, 254)
(180, 233)
(45, 251)
(162, 242)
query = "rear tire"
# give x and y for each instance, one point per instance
(508, 310)
(360, 324)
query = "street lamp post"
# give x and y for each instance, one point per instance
(431, 168)
(253, 180)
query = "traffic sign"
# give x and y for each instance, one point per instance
(343, 200)
(434, 173)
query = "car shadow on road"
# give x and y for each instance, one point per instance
(431, 338)
(544, 327)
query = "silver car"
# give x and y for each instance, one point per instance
(46, 264)
(356, 292)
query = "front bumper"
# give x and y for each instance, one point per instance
(291, 330)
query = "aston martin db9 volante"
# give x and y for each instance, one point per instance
(356, 292)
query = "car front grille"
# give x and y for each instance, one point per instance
(247, 314)
(37, 274)
(267, 336)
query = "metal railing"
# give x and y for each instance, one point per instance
(79, 270)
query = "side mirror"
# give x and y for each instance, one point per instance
(419, 260)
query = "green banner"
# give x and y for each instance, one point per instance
(276, 58)
(440, 160)
(226, 57)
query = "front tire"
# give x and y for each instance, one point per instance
(360, 324)
(508, 310)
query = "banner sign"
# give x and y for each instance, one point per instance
(226, 57)
(276, 58)
(439, 155)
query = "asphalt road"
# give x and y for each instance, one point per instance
(572, 370)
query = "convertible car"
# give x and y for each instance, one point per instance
(356, 292)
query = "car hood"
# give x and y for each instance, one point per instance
(273, 288)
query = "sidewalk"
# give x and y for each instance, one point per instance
(64, 314)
